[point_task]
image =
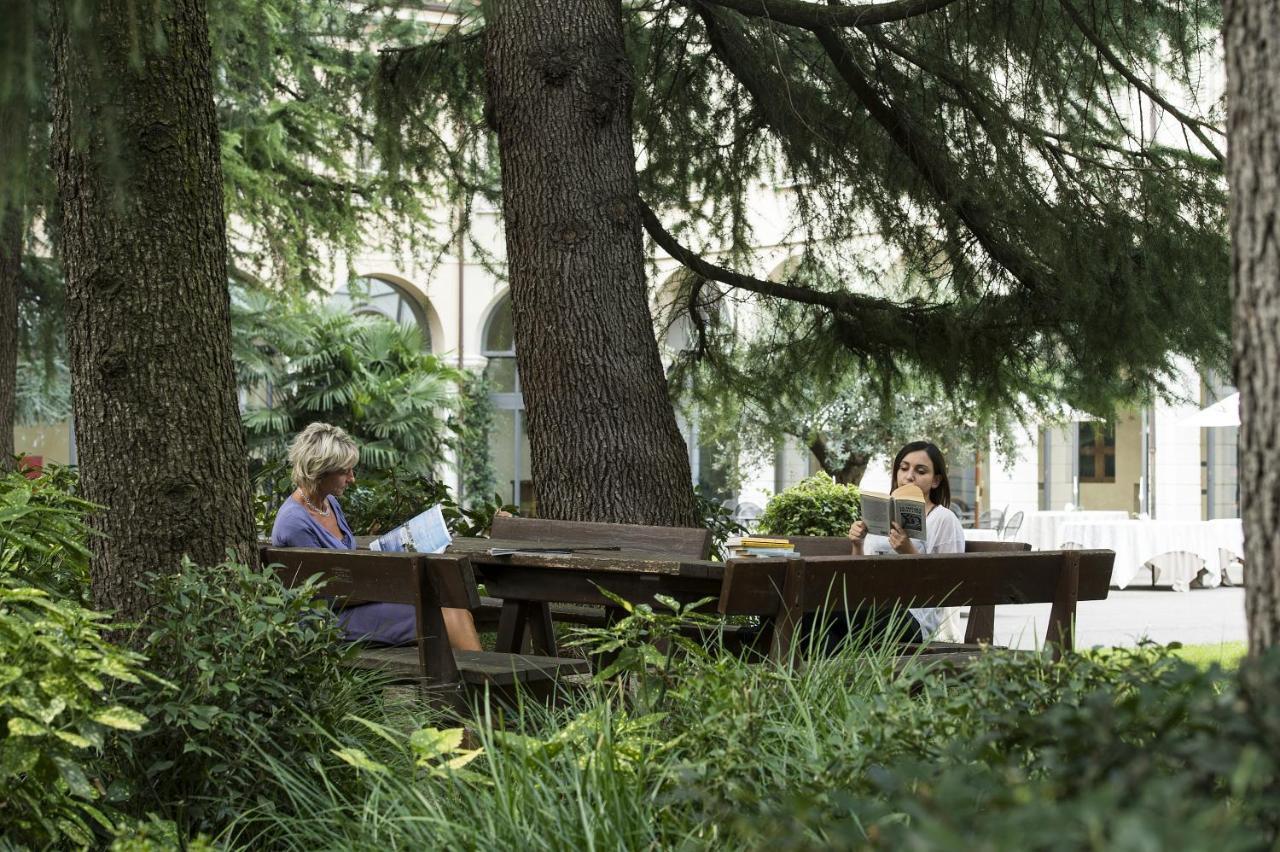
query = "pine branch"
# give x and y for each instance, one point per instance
(799, 13)
(844, 304)
(923, 153)
(1196, 127)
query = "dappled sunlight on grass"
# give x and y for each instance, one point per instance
(1226, 654)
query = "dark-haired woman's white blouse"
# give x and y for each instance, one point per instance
(943, 534)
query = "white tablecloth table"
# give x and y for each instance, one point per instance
(979, 534)
(1230, 534)
(1135, 542)
(1043, 530)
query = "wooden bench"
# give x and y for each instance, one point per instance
(982, 619)
(786, 589)
(691, 542)
(426, 582)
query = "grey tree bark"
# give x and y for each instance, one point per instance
(136, 156)
(14, 125)
(10, 268)
(1252, 30)
(604, 439)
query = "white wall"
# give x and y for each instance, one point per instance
(1015, 482)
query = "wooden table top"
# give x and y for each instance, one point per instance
(607, 561)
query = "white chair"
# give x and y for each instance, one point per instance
(1178, 567)
(1070, 545)
(1231, 567)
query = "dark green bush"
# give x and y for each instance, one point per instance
(1126, 750)
(817, 506)
(382, 500)
(249, 666)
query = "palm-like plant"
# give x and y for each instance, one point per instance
(299, 362)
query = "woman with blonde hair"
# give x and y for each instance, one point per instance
(324, 461)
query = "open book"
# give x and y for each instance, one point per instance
(905, 507)
(425, 533)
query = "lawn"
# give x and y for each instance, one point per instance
(1226, 654)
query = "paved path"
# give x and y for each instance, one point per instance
(1197, 617)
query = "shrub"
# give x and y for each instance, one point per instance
(55, 668)
(43, 527)
(817, 506)
(718, 518)
(249, 666)
(474, 427)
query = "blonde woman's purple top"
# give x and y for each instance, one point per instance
(385, 623)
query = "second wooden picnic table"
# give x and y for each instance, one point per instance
(532, 578)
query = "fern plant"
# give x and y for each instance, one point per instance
(299, 363)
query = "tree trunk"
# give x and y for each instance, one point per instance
(848, 473)
(10, 268)
(14, 126)
(603, 433)
(1253, 135)
(136, 155)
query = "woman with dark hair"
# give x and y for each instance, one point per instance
(921, 464)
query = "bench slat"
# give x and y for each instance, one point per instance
(691, 542)
(752, 586)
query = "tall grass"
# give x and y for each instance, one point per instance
(692, 748)
(700, 754)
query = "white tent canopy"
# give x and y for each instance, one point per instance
(1224, 412)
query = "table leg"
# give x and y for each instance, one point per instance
(511, 626)
(542, 632)
(521, 617)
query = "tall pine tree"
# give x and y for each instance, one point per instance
(136, 155)
(980, 199)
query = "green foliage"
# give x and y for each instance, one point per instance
(292, 83)
(55, 672)
(1096, 753)
(977, 200)
(381, 501)
(693, 748)
(363, 373)
(718, 518)
(817, 506)
(982, 148)
(244, 666)
(474, 427)
(156, 835)
(43, 530)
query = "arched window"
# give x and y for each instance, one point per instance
(509, 442)
(369, 295)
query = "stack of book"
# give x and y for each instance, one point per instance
(756, 546)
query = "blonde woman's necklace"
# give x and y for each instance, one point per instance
(324, 513)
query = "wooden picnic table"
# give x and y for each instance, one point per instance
(529, 582)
